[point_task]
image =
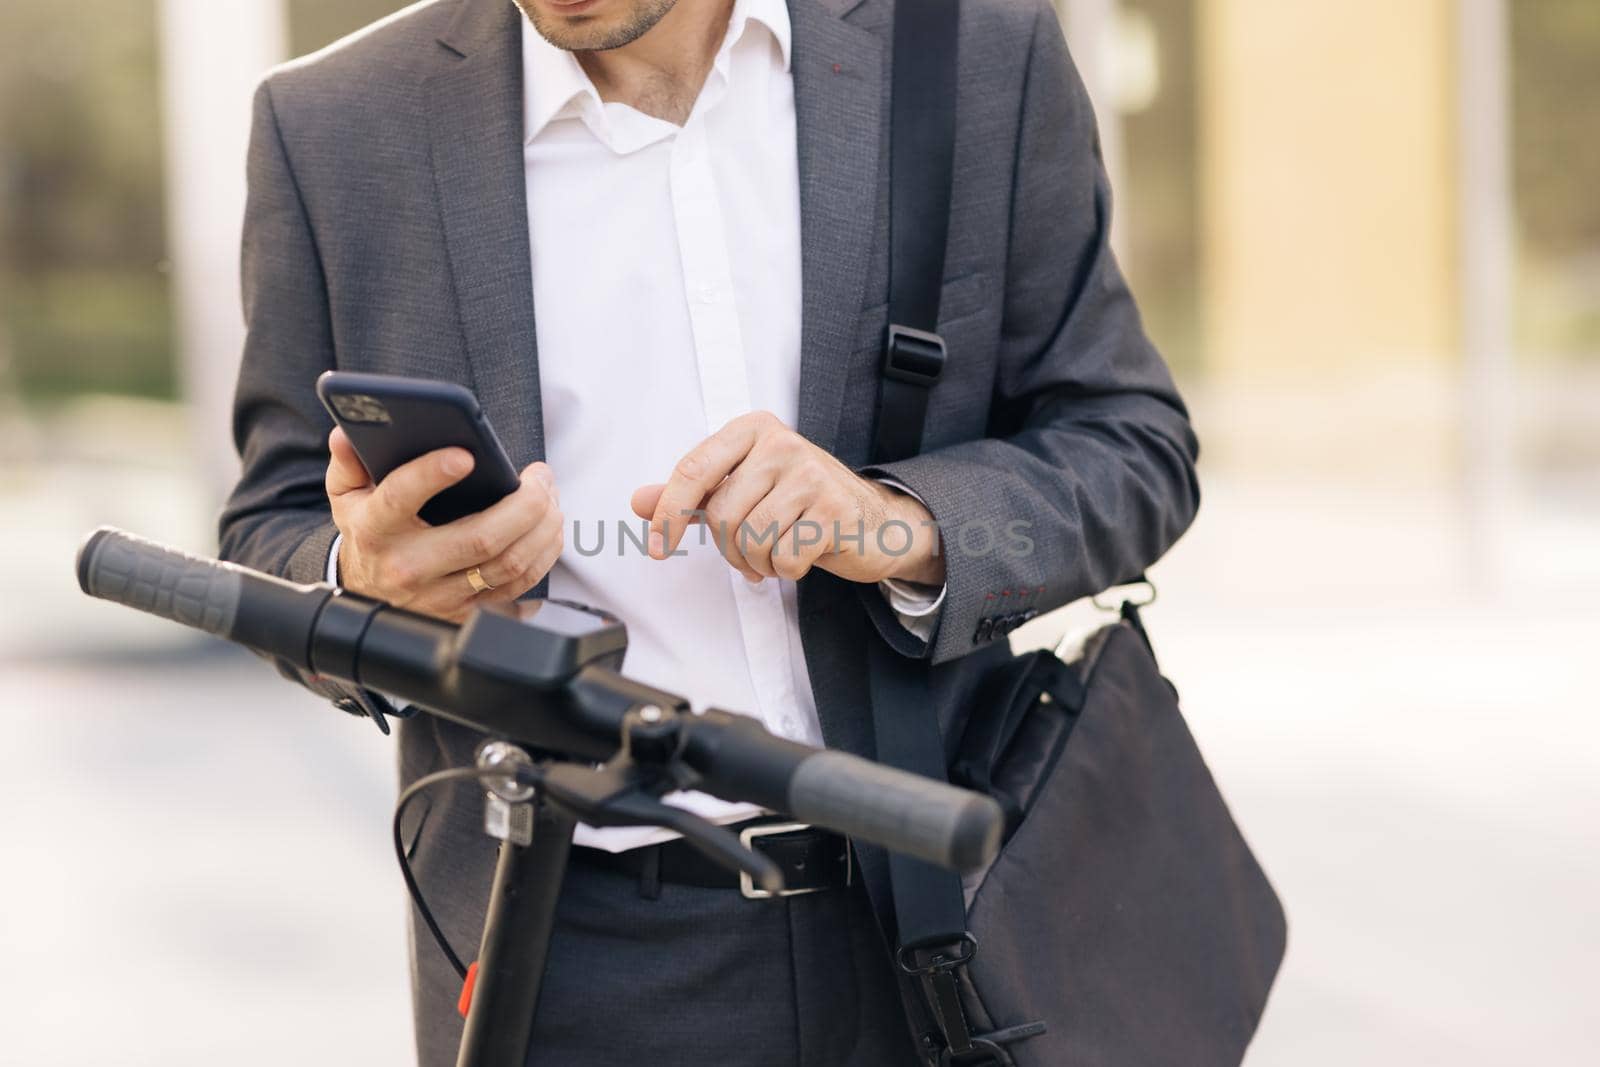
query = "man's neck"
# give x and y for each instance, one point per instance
(661, 72)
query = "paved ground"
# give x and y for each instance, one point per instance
(197, 873)
(197, 868)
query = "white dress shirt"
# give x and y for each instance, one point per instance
(667, 296)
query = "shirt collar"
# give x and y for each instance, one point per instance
(554, 84)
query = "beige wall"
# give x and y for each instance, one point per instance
(1327, 186)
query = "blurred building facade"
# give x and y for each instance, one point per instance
(1290, 183)
(1328, 183)
(1364, 234)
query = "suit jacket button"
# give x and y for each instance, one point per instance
(985, 630)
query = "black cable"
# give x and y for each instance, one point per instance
(411, 792)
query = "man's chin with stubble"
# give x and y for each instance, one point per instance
(594, 25)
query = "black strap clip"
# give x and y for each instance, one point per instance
(935, 968)
(913, 356)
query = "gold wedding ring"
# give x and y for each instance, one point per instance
(475, 579)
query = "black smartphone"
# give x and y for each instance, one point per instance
(391, 420)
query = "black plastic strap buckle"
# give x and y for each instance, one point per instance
(916, 357)
(935, 968)
(955, 1045)
(919, 960)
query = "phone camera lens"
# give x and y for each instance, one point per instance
(361, 408)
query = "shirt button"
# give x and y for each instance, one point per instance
(708, 294)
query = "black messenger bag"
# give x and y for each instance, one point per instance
(1124, 922)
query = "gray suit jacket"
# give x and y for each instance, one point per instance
(386, 231)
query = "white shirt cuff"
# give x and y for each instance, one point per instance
(333, 560)
(918, 607)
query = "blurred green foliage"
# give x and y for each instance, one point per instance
(1556, 167)
(83, 329)
(314, 23)
(85, 296)
(83, 292)
(85, 301)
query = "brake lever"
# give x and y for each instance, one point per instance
(724, 846)
(609, 796)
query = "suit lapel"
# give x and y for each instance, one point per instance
(475, 126)
(838, 86)
(475, 117)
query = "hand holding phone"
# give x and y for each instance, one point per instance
(392, 420)
(389, 548)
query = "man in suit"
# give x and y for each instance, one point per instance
(652, 235)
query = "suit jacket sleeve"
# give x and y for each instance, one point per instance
(277, 519)
(1087, 475)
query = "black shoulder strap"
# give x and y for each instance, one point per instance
(922, 144)
(929, 908)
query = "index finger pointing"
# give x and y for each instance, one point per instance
(643, 501)
(696, 474)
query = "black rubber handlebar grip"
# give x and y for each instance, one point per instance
(933, 821)
(120, 567)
